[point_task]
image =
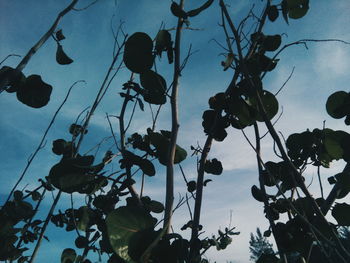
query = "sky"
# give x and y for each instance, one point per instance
(319, 71)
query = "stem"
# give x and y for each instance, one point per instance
(47, 220)
(262, 187)
(169, 198)
(194, 249)
(122, 141)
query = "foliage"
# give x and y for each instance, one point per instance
(118, 221)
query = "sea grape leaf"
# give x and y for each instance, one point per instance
(11, 78)
(155, 206)
(338, 104)
(177, 11)
(122, 223)
(163, 42)
(270, 104)
(213, 167)
(227, 63)
(297, 8)
(138, 55)
(155, 87)
(61, 56)
(161, 142)
(68, 255)
(272, 43)
(140, 241)
(284, 6)
(34, 92)
(59, 35)
(85, 217)
(272, 13)
(341, 213)
(71, 175)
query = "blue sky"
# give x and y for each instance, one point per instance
(319, 71)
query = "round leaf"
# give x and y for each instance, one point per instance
(272, 43)
(138, 52)
(12, 78)
(338, 105)
(297, 8)
(123, 223)
(34, 92)
(270, 104)
(68, 255)
(341, 213)
(155, 87)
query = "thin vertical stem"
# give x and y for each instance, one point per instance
(122, 140)
(169, 198)
(42, 232)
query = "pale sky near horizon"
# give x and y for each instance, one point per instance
(320, 70)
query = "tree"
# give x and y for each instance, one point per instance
(258, 245)
(118, 219)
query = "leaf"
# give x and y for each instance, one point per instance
(191, 186)
(138, 55)
(34, 92)
(338, 104)
(270, 104)
(59, 146)
(161, 143)
(147, 167)
(36, 196)
(156, 207)
(68, 255)
(163, 42)
(140, 242)
(198, 10)
(123, 223)
(332, 146)
(285, 10)
(272, 43)
(343, 180)
(81, 242)
(12, 78)
(272, 13)
(61, 56)
(341, 213)
(177, 11)
(227, 63)
(71, 175)
(59, 35)
(213, 167)
(155, 87)
(18, 195)
(297, 8)
(142, 107)
(257, 194)
(85, 217)
(206, 182)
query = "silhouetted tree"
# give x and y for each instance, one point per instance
(258, 245)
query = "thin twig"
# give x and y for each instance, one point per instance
(86, 7)
(11, 55)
